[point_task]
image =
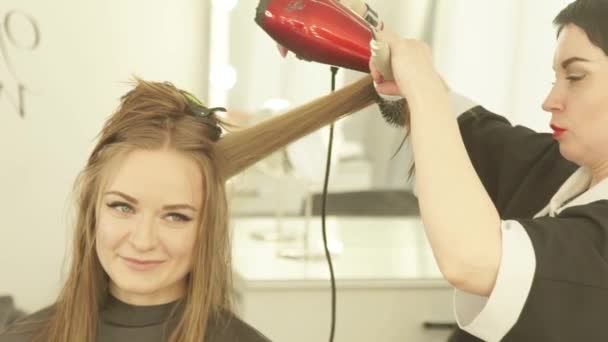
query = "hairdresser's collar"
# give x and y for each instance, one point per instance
(575, 191)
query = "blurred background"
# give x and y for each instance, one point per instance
(65, 63)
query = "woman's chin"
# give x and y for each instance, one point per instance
(136, 291)
(129, 290)
(569, 152)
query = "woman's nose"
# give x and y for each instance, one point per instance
(143, 236)
(554, 101)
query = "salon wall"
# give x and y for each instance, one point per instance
(71, 80)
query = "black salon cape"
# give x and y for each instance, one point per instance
(121, 322)
(521, 170)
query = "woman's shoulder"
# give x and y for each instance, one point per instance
(230, 328)
(25, 328)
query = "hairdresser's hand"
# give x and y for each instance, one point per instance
(412, 68)
(383, 87)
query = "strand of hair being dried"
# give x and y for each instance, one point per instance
(240, 149)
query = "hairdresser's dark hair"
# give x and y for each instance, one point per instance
(589, 15)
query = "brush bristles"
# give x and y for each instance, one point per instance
(396, 113)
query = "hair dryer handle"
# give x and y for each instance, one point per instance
(381, 56)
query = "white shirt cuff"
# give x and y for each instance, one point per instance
(491, 318)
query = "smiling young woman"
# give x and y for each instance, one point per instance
(151, 253)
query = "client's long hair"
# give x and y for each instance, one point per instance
(241, 149)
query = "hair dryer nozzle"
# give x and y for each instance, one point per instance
(323, 31)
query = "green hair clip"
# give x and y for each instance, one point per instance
(197, 107)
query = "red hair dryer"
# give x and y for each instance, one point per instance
(334, 32)
(323, 31)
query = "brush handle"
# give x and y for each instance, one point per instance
(381, 56)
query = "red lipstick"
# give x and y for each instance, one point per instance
(557, 131)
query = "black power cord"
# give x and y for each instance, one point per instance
(334, 71)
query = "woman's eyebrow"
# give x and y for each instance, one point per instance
(179, 206)
(571, 60)
(123, 195)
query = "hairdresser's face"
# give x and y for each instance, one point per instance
(578, 100)
(147, 226)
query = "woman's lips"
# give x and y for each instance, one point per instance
(557, 131)
(141, 265)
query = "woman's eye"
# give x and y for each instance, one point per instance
(176, 217)
(574, 78)
(121, 207)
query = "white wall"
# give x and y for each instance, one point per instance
(87, 50)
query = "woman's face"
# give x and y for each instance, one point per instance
(147, 226)
(578, 100)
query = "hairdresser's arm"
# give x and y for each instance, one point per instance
(462, 223)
